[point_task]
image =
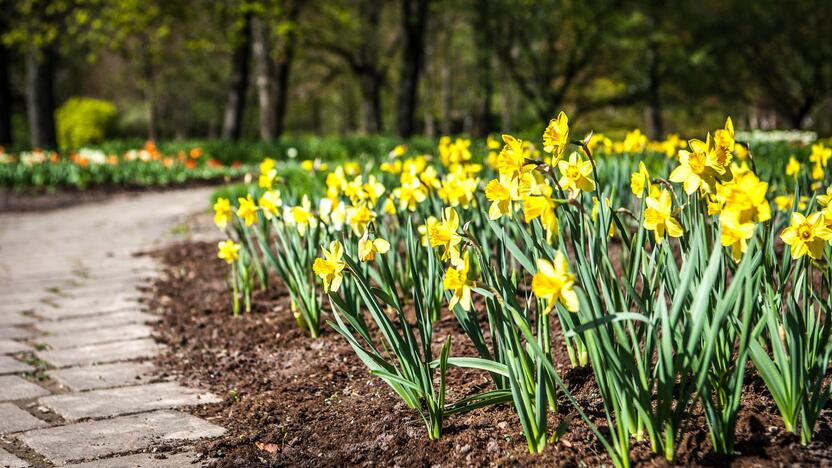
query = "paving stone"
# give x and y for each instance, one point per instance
(101, 335)
(9, 365)
(144, 460)
(124, 400)
(11, 347)
(8, 318)
(15, 332)
(14, 419)
(10, 461)
(101, 353)
(102, 376)
(88, 308)
(96, 322)
(95, 439)
(13, 387)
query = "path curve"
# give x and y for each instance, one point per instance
(76, 387)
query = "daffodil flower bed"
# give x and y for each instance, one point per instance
(667, 272)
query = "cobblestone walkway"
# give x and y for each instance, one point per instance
(76, 387)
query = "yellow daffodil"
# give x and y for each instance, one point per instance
(697, 170)
(825, 198)
(556, 137)
(301, 216)
(247, 210)
(354, 190)
(458, 188)
(374, 189)
(658, 217)
(456, 279)
(735, 234)
(455, 152)
(820, 154)
(398, 151)
(336, 182)
(806, 235)
(228, 250)
(389, 207)
(499, 193)
(786, 202)
(222, 212)
(424, 230)
(330, 268)
(358, 217)
(740, 151)
(724, 144)
(554, 283)
(410, 195)
(270, 203)
(511, 161)
(539, 204)
(639, 181)
(793, 167)
(267, 165)
(444, 233)
(367, 248)
(266, 179)
(744, 195)
(576, 175)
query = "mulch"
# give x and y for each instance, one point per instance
(292, 400)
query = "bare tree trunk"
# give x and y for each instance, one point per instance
(232, 126)
(370, 102)
(150, 95)
(414, 20)
(40, 97)
(506, 104)
(655, 123)
(283, 69)
(483, 118)
(263, 80)
(5, 97)
(445, 96)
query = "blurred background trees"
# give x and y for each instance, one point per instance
(257, 69)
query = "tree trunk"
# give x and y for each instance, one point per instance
(445, 85)
(655, 123)
(506, 104)
(5, 97)
(263, 80)
(370, 102)
(483, 118)
(414, 21)
(232, 125)
(40, 97)
(149, 75)
(283, 68)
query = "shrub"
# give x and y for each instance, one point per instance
(82, 121)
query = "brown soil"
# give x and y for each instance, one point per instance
(291, 400)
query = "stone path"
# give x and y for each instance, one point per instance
(76, 387)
